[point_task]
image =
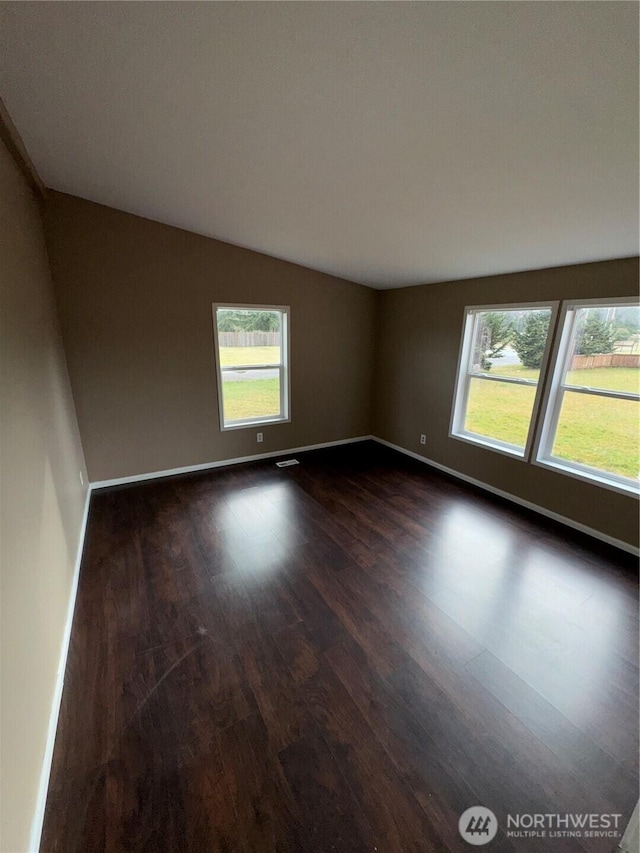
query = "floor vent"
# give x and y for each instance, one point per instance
(287, 462)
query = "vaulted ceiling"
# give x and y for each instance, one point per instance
(388, 143)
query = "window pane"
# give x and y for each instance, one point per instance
(499, 410)
(600, 432)
(249, 337)
(510, 343)
(250, 394)
(605, 351)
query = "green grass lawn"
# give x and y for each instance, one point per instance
(498, 410)
(610, 378)
(597, 431)
(251, 398)
(249, 355)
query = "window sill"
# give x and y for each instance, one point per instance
(630, 490)
(254, 423)
(488, 444)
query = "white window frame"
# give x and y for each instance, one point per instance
(554, 394)
(282, 366)
(464, 376)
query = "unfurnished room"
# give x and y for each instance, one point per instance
(319, 427)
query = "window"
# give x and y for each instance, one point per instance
(252, 349)
(591, 424)
(504, 352)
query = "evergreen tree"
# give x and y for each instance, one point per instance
(494, 333)
(530, 342)
(595, 337)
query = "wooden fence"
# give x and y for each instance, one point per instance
(612, 359)
(249, 339)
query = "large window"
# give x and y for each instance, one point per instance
(504, 351)
(587, 423)
(591, 425)
(252, 349)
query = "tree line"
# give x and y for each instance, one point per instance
(230, 320)
(527, 334)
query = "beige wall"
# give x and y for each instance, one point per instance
(419, 333)
(135, 306)
(42, 501)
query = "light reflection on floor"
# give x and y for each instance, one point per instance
(551, 622)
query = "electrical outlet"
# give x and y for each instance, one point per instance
(423, 439)
(81, 478)
(259, 437)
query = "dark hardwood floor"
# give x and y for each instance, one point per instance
(339, 656)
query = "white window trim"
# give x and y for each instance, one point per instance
(552, 404)
(283, 366)
(464, 376)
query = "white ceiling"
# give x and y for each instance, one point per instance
(388, 143)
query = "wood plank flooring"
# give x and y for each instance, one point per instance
(339, 656)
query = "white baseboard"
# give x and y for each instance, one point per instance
(189, 469)
(43, 787)
(569, 522)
